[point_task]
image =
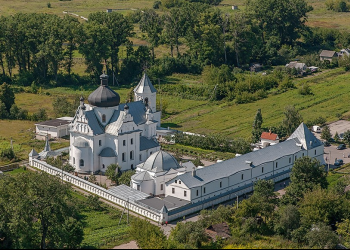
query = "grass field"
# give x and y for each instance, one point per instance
(319, 17)
(22, 134)
(330, 100)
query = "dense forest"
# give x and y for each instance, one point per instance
(41, 48)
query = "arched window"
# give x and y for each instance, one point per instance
(73, 160)
(103, 118)
(146, 100)
(81, 163)
(103, 165)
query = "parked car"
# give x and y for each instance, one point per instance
(327, 144)
(316, 129)
(331, 140)
(341, 146)
(338, 162)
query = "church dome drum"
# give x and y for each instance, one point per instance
(104, 96)
(160, 161)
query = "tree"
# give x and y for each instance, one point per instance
(37, 211)
(322, 236)
(292, 119)
(7, 96)
(152, 24)
(336, 137)
(346, 137)
(286, 219)
(92, 178)
(71, 28)
(197, 162)
(62, 107)
(113, 173)
(125, 177)
(189, 233)
(326, 133)
(282, 19)
(93, 202)
(343, 229)
(147, 235)
(116, 35)
(174, 28)
(258, 120)
(68, 168)
(321, 205)
(3, 112)
(307, 174)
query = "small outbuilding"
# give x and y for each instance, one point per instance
(328, 55)
(55, 128)
(269, 137)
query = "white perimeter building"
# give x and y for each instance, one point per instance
(161, 174)
(106, 132)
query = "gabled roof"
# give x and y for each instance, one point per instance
(306, 138)
(164, 210)
(145, 86)
(328, 53)
(269, 136)
(108, 152)
(296, 65)
(93, 122)
(241, 163)
(146, 143)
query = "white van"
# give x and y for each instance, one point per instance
(316, 129)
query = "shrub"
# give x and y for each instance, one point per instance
(156, 4)
(305, 90)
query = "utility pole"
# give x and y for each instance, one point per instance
(128, 212)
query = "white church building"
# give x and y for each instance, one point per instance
(106, 132)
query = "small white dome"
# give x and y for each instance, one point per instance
(81, 143)
(160, 161)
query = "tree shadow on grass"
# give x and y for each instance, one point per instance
(171, 125)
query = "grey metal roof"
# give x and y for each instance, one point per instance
(127, 193)
(306, 137)
(104, 96)
(81, 143)
(169, 202)
(160, 161)
(115, 123)
(137, 110)
(328, 53)
(234, 165)
(143, 176)
(33, 153)
(44, 154)
(146, 143)
(145, 86)
(93, 122)
(107, 152)
(53, 123)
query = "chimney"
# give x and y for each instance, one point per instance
(194, 172)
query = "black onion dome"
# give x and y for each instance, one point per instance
(104, 96)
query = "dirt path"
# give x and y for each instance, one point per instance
(130, 245)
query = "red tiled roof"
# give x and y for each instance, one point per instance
(269, 136)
